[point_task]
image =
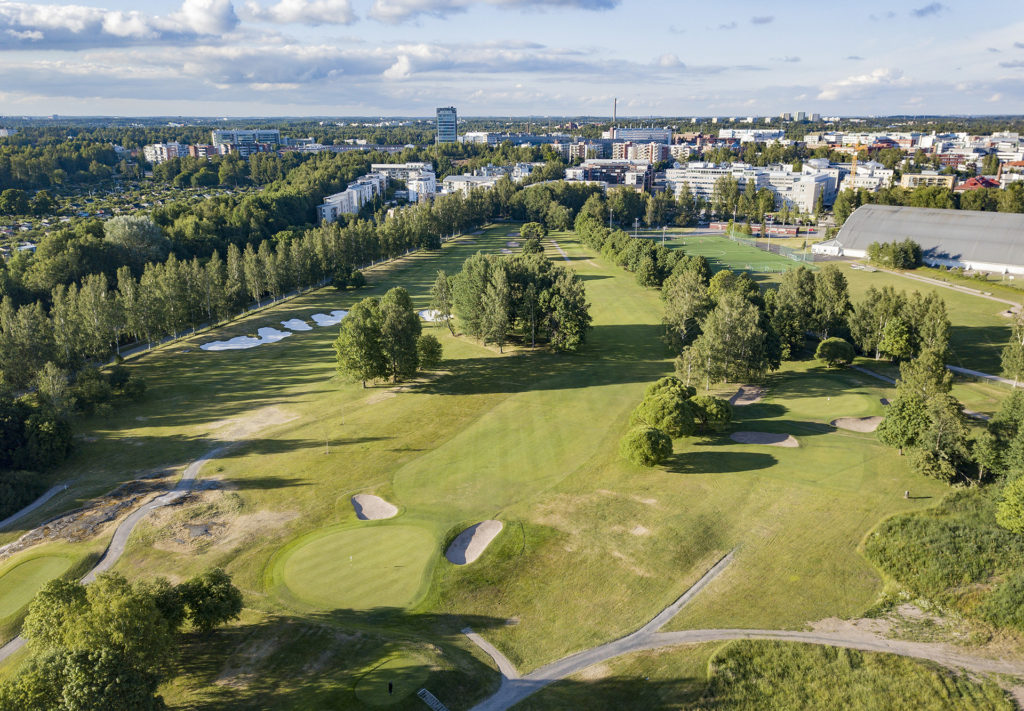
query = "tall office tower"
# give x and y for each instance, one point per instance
(447, 125)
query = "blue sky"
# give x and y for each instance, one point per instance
(510, 57)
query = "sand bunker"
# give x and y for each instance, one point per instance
(296, 324)
(858, 424)
(471, 543)
(238, 343)
(514, 233)
(512, 243)
(747, 395)
(772, 439)
(372, 508)
(432, 315)
(506, 251)
(333, 320)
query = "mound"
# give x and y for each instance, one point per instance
(372, 508)
(858, 424)
(471, 543)
(770, 438)
(747, 395)
(296, 324)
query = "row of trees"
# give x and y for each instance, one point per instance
(382, 338)
(897, 255)
(525, 296)
(110, 645)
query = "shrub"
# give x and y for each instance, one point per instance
(356, 279)
(532, 246)
(646, 446)
(668, 411)
(1010, 510)
(533, 230)
(667, 384)
(712, 413)
(430, 351)
(835, 352)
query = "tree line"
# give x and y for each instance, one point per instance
(986, 199)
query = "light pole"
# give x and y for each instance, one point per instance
(636, 226)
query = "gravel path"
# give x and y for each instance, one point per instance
(34, 505)
(120, 539)
(514, 688)
(560, 250)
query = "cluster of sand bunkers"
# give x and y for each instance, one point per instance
(467, 546)
(273, 335)
(751, 394)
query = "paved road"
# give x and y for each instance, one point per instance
(124, 530)
(63, 486)
(515, 688)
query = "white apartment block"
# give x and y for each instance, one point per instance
(465, 183)
(748, 135)
(160, 152)
(701, 177)
(421, 185)
(800, 190)
(350, 200)
(401, 171)
(871, 176)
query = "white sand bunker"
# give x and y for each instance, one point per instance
(514, 233)
(471, 543)
(332, 320)
(747, 395)
(239, 343)
(296, 324)
(432, 315)
(772, 439)
(506, 251)
(858, 424)
(372, 508)
(512, 243)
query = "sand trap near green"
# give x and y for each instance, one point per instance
(406, 674)
(359, 568)
(20, 584)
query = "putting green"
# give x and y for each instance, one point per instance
(359, 568)
(406, 673)
(20, 584)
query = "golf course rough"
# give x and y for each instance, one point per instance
(405, 673)
(358, 568)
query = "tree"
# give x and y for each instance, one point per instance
(835, 352)
(831, 300)
(400, 327)
(139, 237)
(1013, 352)
(1010, 509)
(497, 303)
(53, 390)
(896, 340)
(685, 295)
(430, 351)
(792, 308)
(713, 414)
(567, 311)
(668, 411)
(468, 288)
(646, 446)
(211, 600)
(441, 299)
(905, 422)
(360, 355)
(532, 246)
(533, 230)
(732, 343)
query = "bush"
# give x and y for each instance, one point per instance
(92, 391)
(712, 413)
(356, 279)
(835, 352)
(1010, 510)
(534, 230)
(430, 351)
(48, 441)
(668, 411)
(646, 446)
(670, 383)
(532, 246)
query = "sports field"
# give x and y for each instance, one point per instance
(591, 549)
(724, 253)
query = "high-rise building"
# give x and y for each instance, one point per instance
(447, 125)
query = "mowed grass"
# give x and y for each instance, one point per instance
(769, 675)
(393, 681)
(358, 568)
(722, 253)
(20, 584)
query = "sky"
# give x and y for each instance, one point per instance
(510, 57)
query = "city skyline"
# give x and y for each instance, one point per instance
(507, 57)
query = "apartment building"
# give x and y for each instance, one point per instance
(635, 173)
(350, 200)
(401, 171)
(157, 153)
(927, 179)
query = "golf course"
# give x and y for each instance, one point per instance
(354, 604)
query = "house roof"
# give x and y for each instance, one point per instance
(963, 235)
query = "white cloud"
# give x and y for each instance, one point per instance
(853, 84)
(308, 12)
(77, 26)
(670, 60)
(396, 11)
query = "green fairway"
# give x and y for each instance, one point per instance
(359, 568)
(19, 584)
(406, 674)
